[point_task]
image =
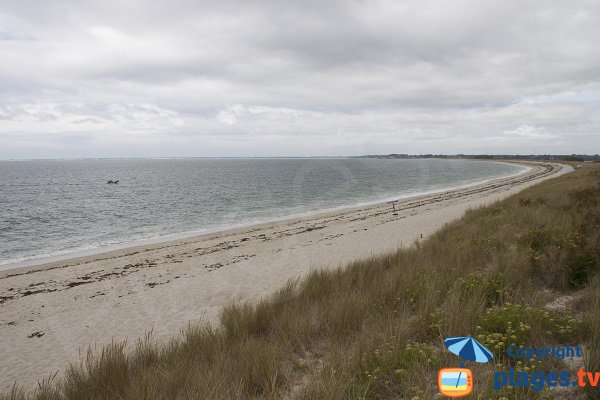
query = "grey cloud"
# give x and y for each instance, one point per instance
(335, 77)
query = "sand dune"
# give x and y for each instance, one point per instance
(50, 313)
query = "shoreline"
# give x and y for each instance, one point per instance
(51, 313)
(80, 255)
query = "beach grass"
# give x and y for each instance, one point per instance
(522, 270)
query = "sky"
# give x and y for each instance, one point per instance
(179, 78)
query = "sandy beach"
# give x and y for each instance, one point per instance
(51, 313)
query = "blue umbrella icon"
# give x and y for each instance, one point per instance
(469, 349)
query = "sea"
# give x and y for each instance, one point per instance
(60, 208)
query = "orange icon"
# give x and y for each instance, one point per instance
(455, 382)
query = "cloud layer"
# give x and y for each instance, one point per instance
(267, 78)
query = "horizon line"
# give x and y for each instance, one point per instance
(427, 155)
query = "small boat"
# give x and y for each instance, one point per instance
(111, 182)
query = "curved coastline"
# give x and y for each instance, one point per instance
(54, 311)
(102, 250)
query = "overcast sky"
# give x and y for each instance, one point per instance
(117, 78)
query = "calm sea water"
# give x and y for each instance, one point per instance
(49, 208)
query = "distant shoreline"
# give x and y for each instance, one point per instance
(460, 156)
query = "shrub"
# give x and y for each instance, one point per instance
(501, 326)
(493, 288)
(395, 368)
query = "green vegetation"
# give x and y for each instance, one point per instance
(374, 329)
